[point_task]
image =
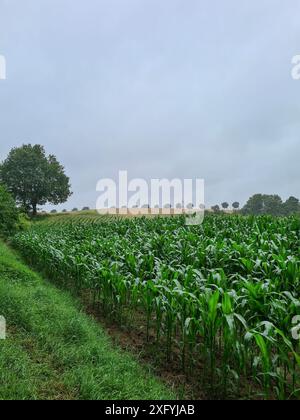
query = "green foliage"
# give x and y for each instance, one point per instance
(55, 351)
(291, 206)
(216, 208)
(272, 205)
(225, 205)
(223, 294)
(261, 204)
(24, 222)
(8, 213)
(33, 178)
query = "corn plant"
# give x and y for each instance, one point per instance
(224, 293)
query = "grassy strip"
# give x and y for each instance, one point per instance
(57, 351)
(26, 373)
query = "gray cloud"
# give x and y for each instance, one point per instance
(167, 88)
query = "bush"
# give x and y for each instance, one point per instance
(216, 208)
(23, 222)
(9, 216)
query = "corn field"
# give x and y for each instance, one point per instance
(224, 293)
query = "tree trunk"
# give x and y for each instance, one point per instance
(34, 209)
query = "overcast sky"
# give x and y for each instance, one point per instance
(162, 88)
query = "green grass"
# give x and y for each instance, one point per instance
(55, 351)
(222, 295)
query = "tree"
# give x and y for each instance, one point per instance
(9, 217)
(225, 205)
(216, 208)
(264, 204)
(291, 206)
(236, 205)
(254, 205)
(273, 205)
(33, 178)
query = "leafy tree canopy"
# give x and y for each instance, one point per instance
(33, 178)
(291, 206)
(271, 204)
(216, 208)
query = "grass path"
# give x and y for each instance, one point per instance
(55, 351)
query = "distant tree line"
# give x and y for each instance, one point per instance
(271, 204)
(264, 204)
(225, 206)
(74, 210)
